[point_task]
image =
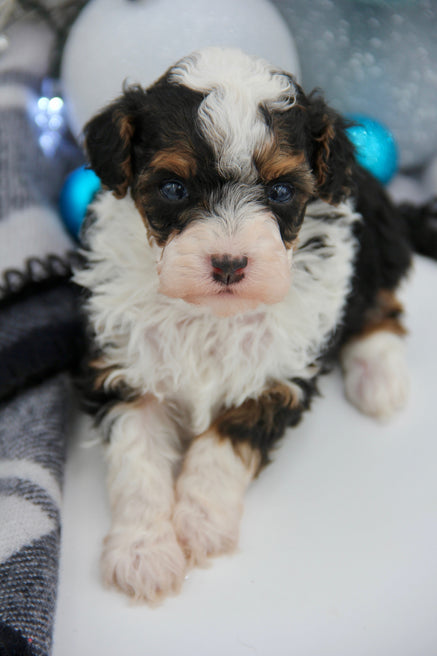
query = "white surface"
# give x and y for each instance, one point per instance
(338, 541)
(115, 40)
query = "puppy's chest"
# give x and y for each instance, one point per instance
(204, 363)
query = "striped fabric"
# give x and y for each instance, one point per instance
(32, 428)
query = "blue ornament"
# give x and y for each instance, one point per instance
(375, 146)
(78, 191)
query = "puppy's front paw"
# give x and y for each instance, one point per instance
(375, 374)
(205, 528)
(147, 564)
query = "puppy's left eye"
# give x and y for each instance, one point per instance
(281, 192)
(173, 190)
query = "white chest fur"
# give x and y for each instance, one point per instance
(185, 354)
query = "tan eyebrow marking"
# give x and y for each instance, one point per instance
(178, 160)
(126, 131)
(273, 162)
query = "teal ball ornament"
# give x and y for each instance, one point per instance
(79, 189)
(375, 147)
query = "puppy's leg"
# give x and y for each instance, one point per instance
(141, 554)
(220, 464)
(375, 371)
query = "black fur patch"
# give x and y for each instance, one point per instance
(96, 399)
(261, 423)
(422, 226)
(317, 244)
(384, 254)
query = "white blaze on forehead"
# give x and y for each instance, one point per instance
(236, 86)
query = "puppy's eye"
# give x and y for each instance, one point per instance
(173, 190)
(281, 192)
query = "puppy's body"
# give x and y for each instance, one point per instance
(187, 356)
(240, 249)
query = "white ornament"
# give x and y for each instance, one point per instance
(117, 40)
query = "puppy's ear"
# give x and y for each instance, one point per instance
(109, 138)
(333, 156)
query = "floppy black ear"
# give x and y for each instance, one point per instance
(108, 140)
(333, 155)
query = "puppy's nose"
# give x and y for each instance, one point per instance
(228, 270)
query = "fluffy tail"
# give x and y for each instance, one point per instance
(421, 221)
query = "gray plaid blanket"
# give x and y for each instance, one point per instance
(39, 341)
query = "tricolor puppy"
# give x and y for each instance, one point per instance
(237, 248)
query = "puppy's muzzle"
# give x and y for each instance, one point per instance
(230, 267)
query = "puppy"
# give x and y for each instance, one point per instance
(236, 250)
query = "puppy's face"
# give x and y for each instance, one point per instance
(221, 156)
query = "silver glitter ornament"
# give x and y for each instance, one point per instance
(373, 58)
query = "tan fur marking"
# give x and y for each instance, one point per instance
(274, 161)
(126, 130)
(250, 411)
(125, 127)
(385, 315)
(249, 456)
(103, 371)
(253, 411)
(151, 237)
(177, 160)
(291, 244)
(324, 152)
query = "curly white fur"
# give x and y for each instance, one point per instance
(141, 554)
(376, 376)
(229, 115)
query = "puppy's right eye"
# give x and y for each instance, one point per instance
(173, 190)
(281, 192)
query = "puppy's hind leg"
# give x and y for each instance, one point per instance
(373, 361)
(141, 554)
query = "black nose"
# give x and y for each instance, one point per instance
(228, 270)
